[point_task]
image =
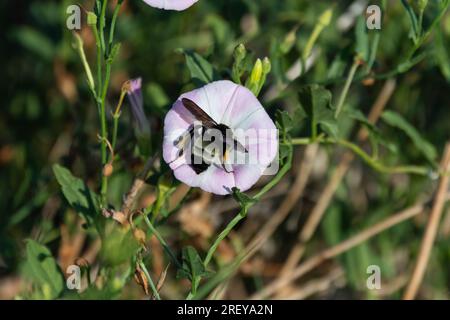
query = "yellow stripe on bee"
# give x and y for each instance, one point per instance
(225, 155)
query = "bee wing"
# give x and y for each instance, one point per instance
(198, 113)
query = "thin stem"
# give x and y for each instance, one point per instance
(196, 281)
(116, 116)
(87, 68)
(301, 141)
(104, 130)
(150, 281)
(348, 82)
(102, 25)
(162, 241)
(113, 22)
(241, 215)
(99, 62)
(377, 165)
(419, 170)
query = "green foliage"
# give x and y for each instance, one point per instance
(35, 42)
(316, 102)
(78, 194)
(244, 200)
(118, 246)
(192, 265)
(362, 39)
(396, 120)
(42, 269)
(415, 28)
(202, 72)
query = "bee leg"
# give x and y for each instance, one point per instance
(224, 159)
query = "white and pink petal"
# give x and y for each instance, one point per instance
(177, 5)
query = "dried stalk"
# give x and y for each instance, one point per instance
(431, 229)
(338, 249)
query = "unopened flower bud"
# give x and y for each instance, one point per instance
(257, 71)
(139, 235)
(254, 79)
(141, 124)
(239, 53)
(91, 18)
(266, 65)
(288, 41)
(422, 5)
(108, 169)
(325, 18)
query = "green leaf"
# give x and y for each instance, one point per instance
(157, 98)
(442, 55)
(42, 269)
(396, 120)
(362, 39)
(405, 66)
(375, 134)
(118, 247)
(202, 72)
(192, 266)
(316, 102)
(415, 31)
(332, 225)
(35, 42)
(77, 194)
(284, 122)
(284, 152)
(243, 199)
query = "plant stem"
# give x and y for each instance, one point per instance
(116, 116)
(162, 241)
(99, 62)
(196, 281)
(113, 22)
(102, 25)
(150, 281)
(377, 165)
(104, 130)
(87, 68)
(241, 215)
(419, 170)
(348, 82)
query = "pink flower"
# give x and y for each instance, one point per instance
(177, 5)
(134, 92)
(254, 135)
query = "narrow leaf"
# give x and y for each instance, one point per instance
(396, 120)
